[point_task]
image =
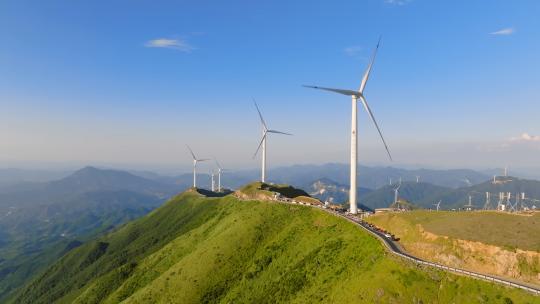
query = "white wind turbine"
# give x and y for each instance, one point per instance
(263, 142)
(438, 205)
(195, 161)
(396, 193)
(219, 171)
(354, 136)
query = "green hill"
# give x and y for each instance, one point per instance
(196, 249)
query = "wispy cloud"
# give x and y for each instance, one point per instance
(353, 50)
(397, 2)
(504, 31)
(526, 137)
(167, 43)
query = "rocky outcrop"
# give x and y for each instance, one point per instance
(516, 264)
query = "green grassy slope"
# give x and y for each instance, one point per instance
(222, 250)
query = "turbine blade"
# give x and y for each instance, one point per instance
(366, 106)
(368, 70)
(203, 159)
(191, 151)
(340, 91)
(218, 165)
(260, 144)
(260, 115)
(277, 132)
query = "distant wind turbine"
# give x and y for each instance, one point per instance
(263, 142)
(195, 161)
(220, 170)
(438, 205)
(396, 193)
(354, 137)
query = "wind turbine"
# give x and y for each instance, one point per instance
(195, 161)
(396, 193)
(354, 136)
(263, 142)
(220, 170)
(438, 205)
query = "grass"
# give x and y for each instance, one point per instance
(222, 250)
(500, 229)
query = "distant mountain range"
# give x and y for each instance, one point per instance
(37, 219)
(304, 176)
(12, 176)
(418, 194)
(457, 198)
(425, 195)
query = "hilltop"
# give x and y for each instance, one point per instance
(226, 250)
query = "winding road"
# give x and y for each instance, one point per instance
(394, 248)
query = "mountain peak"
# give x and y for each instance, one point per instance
(91, 178)
(87, 169)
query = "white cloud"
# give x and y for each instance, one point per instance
(353, 50)
(397, 2)
(175, 44)
(526, 137)
(504, 31)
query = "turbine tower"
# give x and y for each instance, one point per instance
(195, 161)
(500, 204)
(212, 181)
(354, 136)
(263, 142)
(487, 205)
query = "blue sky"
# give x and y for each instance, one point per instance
(129, 83)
